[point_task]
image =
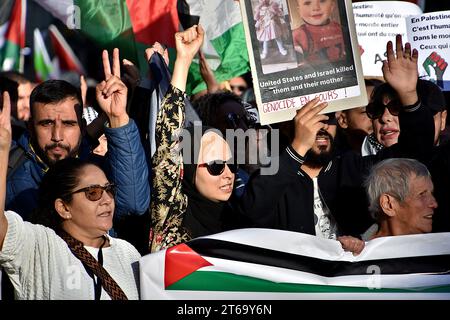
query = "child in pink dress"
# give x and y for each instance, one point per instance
(269, 25)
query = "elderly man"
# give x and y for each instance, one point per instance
(400, 193)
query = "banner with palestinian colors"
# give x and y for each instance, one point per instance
(261, 264)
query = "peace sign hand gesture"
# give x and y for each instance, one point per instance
(112, 92)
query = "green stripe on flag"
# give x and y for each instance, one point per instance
(222, 281)
(10, 56)
(232, 50)
(108, 23)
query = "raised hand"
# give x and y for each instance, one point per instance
(400, 70)
(112, 93)
(5, 124)
(187, 43)
(307, 124)
(207, 73)
(157, 47)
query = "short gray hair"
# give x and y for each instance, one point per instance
(392, 176)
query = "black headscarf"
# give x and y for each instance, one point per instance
(203, 216)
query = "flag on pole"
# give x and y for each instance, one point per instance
(44, 67)
(224, 47)
(5, 13)
(67, 59)
(14, 39)
(275, 264)
(130, 25)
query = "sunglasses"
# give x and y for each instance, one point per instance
(216, 167)
(95, 192)
(240, 88)
(376, 110)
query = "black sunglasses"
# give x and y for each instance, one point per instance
(216, 167)
(240, 88)
(376, 110)
(95, 192)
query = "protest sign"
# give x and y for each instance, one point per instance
(296, 57)
(430, 34)
(377, 22)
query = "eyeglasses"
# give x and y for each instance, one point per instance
(376, 110)
(216, 167)
(95, 192)
(240, 88)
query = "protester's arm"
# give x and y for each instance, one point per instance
(126, 161)
(168, 201)
(400, 70)
(5, 143)
(352, 244)
(207, 74)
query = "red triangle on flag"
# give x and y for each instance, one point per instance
(16, 28)
(180, 262)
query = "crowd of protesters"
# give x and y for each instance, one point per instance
(368, 172)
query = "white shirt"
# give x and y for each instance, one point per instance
(42, 267)
(324, 222)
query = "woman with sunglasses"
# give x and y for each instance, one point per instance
(68, 254)
(190, 191)
(383, 110)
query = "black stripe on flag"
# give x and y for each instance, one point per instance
(186, 19)
(239, 252)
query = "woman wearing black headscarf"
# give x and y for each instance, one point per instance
(190, 192)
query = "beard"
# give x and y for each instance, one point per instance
(318, 159)
(43, 154)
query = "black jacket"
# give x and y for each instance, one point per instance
(439, 166)
(285, 200)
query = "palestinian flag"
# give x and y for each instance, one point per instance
(224, 47)
(5, 13)
(275, 264)
(44, 67)
(14, 36)
(67, 60)
(130, 25)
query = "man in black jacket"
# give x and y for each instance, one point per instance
(325, 197)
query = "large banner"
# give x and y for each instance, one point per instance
(296, 55)
(259, 264)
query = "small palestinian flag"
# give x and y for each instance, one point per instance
(67, 59)
(274, 264)
(14, 37)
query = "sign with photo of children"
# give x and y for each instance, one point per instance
(299, 50)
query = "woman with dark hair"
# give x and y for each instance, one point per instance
(70, 255)
(190, 192)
